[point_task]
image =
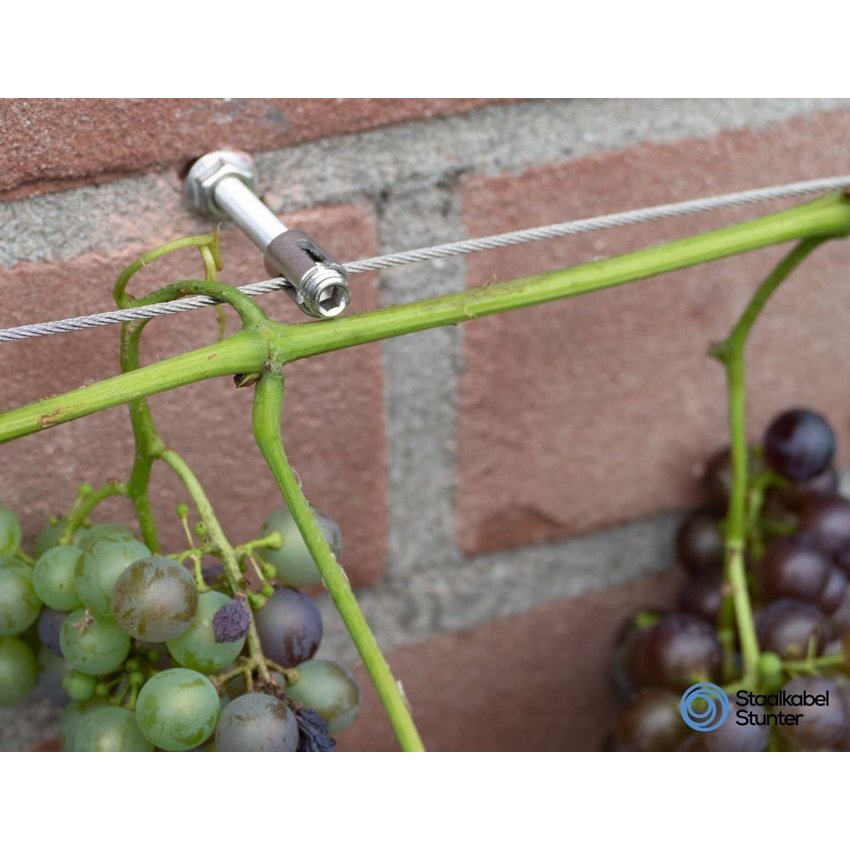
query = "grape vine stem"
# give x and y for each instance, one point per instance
(730, 353)
(268, 406)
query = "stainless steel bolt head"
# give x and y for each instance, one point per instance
(209, 170)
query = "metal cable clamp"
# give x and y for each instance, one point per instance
(221, 185)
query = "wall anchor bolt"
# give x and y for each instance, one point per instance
(221, 184)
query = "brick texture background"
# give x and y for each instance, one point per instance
(52, 144)
(550, 432)
(597, 410)
(209, 423)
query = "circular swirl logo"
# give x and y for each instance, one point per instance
(704, 706)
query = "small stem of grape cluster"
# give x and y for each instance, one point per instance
(731, 354)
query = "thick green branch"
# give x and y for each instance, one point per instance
(826, 217)
(242, 352)
(247, 351)
(268, 401)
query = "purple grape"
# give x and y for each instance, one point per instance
(787, 626)
(792, 568)
(651, 723)
(820, 725)
(833, 593)
(826, 519)
(702, 595)
(677, 651)
(734, 738)
(290, 627)
(50, 627)
(799, 444)
(699, 543)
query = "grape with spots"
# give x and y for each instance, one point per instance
(154, 599)
(257, 723)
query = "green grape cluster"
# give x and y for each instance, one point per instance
(144, 654)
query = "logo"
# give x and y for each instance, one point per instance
(704, 706)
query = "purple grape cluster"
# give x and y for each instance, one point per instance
(797, 564)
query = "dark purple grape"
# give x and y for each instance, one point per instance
(699, 543)
(702, 595)
(799, 444)
(717, 481)
(793, 568)
(796, 494)
(840, 619)
(733, 737)
(625, 647)
(842, 743)
(820, 725)
(651, 722)
(833, 593)
(677, 651)
(786, 627)
(826, 520)
(717, 478)
(50, 627)
(290, 627)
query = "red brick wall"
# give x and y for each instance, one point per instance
(596, 410)
(52, 144)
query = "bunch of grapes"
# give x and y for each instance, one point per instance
(144, 653)
(797, 563)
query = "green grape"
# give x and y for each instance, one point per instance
(196, 648)
(19, 603)
(110, 730)
(10, 532)
(53, 577)
(177, 709)
(154, 599)
(18, 670)
(87, 537)
(93, 646)
(294, 563)
(329, 689)
(70, 719)
(79, 686)
(99, 568)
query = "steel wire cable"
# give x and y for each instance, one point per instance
(449, 249)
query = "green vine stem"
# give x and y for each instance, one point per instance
(268, 404)
(731, 354)
(87, 504)
(247, 351)
(229, 559)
